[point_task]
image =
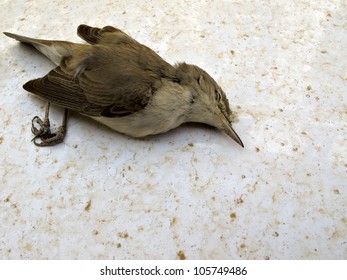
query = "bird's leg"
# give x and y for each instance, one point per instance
(44, 132)
(44, 124)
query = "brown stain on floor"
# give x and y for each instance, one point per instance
(181, 255)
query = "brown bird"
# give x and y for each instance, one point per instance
(125, 85)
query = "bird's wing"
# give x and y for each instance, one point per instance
(107, 81)
(63, 90)
(105, 35)
(118, 40)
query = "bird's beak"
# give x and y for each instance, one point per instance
(233, 135)
(227, 128)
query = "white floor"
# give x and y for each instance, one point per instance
(191, 193)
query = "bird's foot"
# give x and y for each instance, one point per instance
(44, 127)
(43, 135)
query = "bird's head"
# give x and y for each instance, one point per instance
(209, 103)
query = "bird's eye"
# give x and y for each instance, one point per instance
(217, 95)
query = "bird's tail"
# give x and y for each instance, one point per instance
(54, 50)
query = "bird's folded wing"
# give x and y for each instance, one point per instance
(105, 35)
(128, 49)
(72, 93)
(104, 80)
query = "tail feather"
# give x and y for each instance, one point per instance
(21, 38)
(54, 50)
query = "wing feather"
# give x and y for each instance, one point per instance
(105, 79)
(106, 35)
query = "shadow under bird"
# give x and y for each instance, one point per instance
(125, 85)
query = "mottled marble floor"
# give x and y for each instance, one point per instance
(191, 193)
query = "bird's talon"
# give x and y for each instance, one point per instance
(50, 139)
(45, 128)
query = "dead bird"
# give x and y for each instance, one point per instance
(125, 85)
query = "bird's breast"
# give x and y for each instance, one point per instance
(167, 109)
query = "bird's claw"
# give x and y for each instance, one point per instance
(45, 127)
(44, 134)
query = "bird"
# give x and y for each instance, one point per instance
(124, 85)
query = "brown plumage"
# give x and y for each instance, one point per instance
(126, 85)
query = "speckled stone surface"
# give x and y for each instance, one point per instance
(191, 193)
